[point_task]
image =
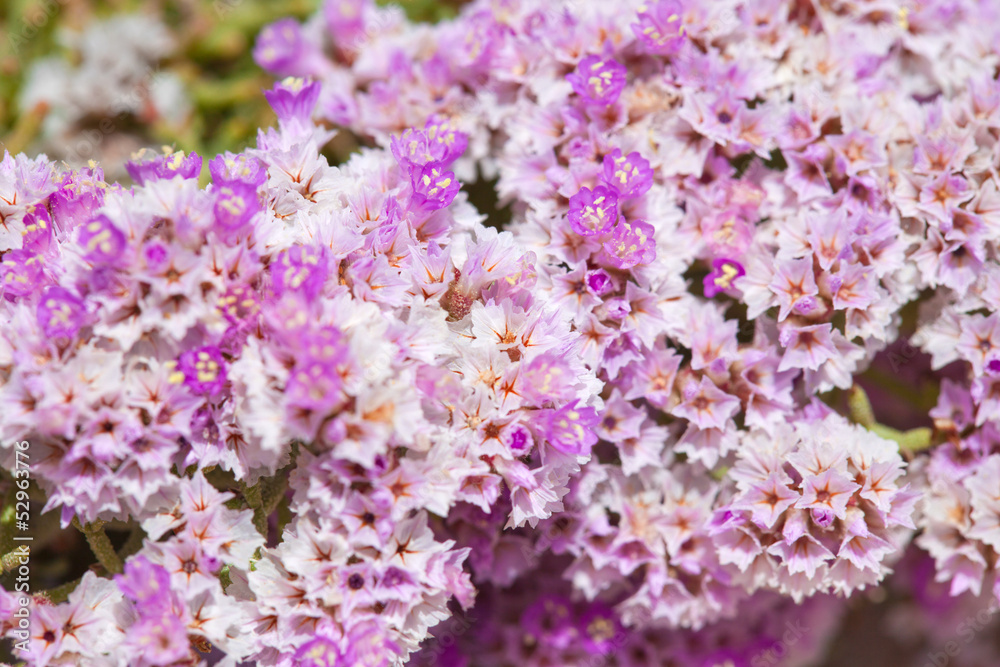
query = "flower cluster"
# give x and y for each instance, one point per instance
(732, 204)
(613, 421)
(359, 318)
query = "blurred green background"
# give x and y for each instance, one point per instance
(210, 61)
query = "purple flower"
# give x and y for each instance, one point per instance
(720, 278)
(631, 244)
(570, 429)
(293, 99)
(628, 175)
(21, 273)
(599, 282)
(102, 242)
(550, 621)
(598, 80)
(593, 212)
(147, 585)
(433, 187)
(445, 139)
(345, 21)
(240, 305)
(146, 166)
(203, 370)
(302, 269)
(78, 199)
(518, 438)
(279, 46)
(242, 168)
(599, 629)
(314, 385)
(37, 232)
(235, 205)
(661, 27)
(413, 149)
(319, 652)
(61, 313)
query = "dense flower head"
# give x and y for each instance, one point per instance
(790, 200)
(361, 324)
(615, 426)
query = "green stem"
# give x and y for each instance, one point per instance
(133, 543)
(26, 128)
(62, 592)
(11, 560)
(914, 440)
(860, 407)
(100, 545)
(7, 521)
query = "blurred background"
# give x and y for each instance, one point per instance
(96, 80)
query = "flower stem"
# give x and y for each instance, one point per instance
(860, 407)
(10, 560)
(62, 592)
(100, 545)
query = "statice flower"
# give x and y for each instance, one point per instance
(611, 419)
(818, 507)
(357, 328)
(732, 207)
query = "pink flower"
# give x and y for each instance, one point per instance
(598, 80)
(628, 175)
(794, 284)
(705, 405)
(203, 370)
(318, 652)
(722, 276)
(767, 499)
(593, 212)
(661, 28)
(631, 244)
(570, 429)
(829, 490)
